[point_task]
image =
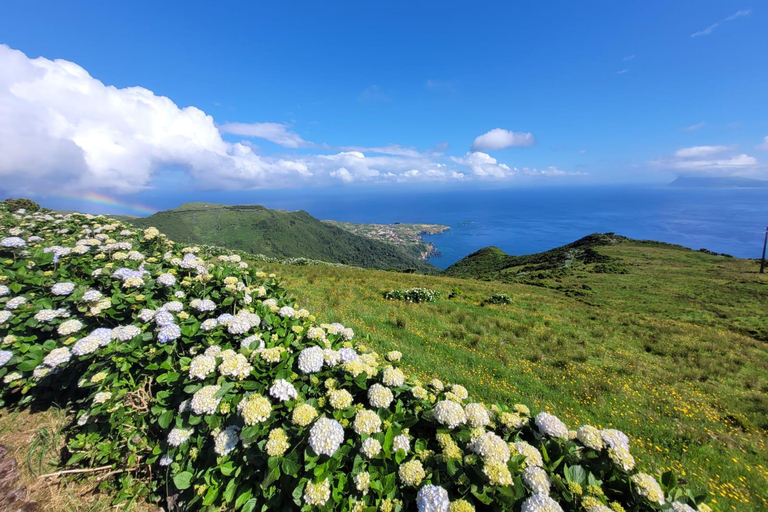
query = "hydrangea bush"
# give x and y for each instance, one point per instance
(412, 295)
(203, 382)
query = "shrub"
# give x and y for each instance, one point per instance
(28, 205)
(199, 379)
(412, 295)
(498, 298)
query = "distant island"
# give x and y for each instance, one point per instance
(718, 182)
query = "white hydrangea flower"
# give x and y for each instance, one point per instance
(62, 288)
(311, 360)
(371, 447)
(226, 440)
(367, 422)
(204, 401)
(531, 453)
(286, 312)
(477, 415)
(347, 354)
(536, 479)
(540, 503)
(57, 357)
(248, 342)
(4, 290)
(69, 327)
(166, 279)
(209, 325)
(125, 332)
(283, 390)
(449, 413)
(168, 333)
(85, 346)
(179, 436)
(202, 366)
(203, 305)
(491, 447)
(647, 487)
(325, 436)
(331, 357)
(551, 425)
(432, 498)
(145, 315)
(317, 494)
(102, 397)
(5, 356)
(173, 306)
(92, 296)
(15, 303)
(234, 365)
(5, 316)
(590, 437)
(379, 396)
(401, 442)
(165, 460)
(12, 242)
(615, 438)
(163, 318)
(393, 377)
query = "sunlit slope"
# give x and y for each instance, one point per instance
(277, 233)
(642, 277)
(661, 352)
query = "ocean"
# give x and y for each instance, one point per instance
(528, 220)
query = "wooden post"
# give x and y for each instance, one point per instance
(762, 262)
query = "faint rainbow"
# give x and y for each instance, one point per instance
(110, 201)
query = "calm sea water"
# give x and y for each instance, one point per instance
(523, 221)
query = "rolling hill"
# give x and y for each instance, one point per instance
(278, 234)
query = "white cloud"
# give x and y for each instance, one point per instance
(710, 161)
(498, 138)
(764, 145)
(63, 131)
(391, 149)
(699, 151)
(628, 58)
(273, 132)
(622, 71)
(483, 165)
(694, 127)
(707, 31)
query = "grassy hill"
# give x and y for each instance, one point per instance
(277, 233)
(671, 350)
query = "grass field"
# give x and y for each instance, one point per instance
(671, 352)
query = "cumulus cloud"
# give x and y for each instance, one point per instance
(63, 131)
(710, 161)
(62, 128)
(499, 138)
(273, 132)
(707, 31)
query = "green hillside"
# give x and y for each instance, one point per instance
(671, 350)
(278, 234)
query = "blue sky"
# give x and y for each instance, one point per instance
(245, 95)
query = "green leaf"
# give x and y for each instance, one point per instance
(290, 467)
(165, 419)
(243, 498)
(183, 480)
